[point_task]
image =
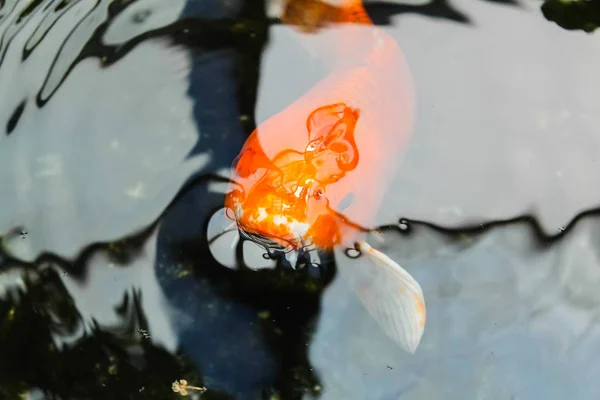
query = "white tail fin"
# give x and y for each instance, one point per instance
(389, 293)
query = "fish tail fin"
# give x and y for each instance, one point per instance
(389, 293)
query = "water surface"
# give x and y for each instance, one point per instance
(119, 117)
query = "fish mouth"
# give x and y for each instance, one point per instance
(290, 255)
(273, 243)
(269, 240)
(262, 240)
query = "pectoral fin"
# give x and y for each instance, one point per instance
(222, 237)
(389, 293)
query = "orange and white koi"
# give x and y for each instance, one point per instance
(315, 174)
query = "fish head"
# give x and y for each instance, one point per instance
(283, 199)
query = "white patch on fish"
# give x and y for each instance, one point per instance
(262, 214)
(280, 220)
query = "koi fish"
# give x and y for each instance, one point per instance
(314, 175)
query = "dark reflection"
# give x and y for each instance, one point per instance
(249, 332)
(28, 10)
(543, 239)
(381, 12)
(14, 118)
(249, 322)
(573, 15)
(121, 252)
(254, 327)
(104, 363)
(244, 31)
(247, 32)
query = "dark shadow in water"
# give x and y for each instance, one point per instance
(382, 12)
(211, 24)
(253, 327)
(229, 338)
(113, 362)
(121, 252)
(542, 238)
(235, 309)
(573, 15)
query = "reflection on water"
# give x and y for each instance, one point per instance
(529, 310)
(120, 120)
(511, 315)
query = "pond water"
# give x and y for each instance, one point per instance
(121, 120)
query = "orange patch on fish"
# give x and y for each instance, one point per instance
(309, 15)
(285, 200)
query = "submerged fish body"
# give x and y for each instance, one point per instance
(314, 175)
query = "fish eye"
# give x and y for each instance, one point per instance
(318, 193)
(230, 213)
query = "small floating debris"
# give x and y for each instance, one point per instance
(264, 314)
(182, 387)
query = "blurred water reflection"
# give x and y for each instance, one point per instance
(113, 110)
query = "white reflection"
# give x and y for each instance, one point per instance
(105, 168)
